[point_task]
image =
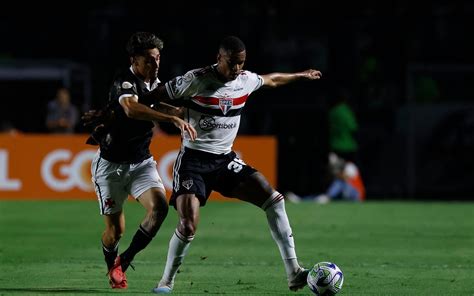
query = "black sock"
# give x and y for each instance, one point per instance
(140, 240)
(110, 253)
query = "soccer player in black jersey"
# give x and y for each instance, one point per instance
(214, 98)
(123, 165)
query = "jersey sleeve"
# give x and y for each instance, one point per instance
(123, 87)
(254, 81)
(183, 86)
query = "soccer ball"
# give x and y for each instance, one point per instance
(325, 279)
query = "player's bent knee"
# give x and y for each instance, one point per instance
(260, 182)
(155, 201)
(187, 227)
(157, 194)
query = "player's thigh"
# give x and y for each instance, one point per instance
(187, 183)
(108, 185)
(238, 180)
(153, 198)
(192, 175)
(254, 189)
(145, 182)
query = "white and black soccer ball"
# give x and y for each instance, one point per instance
(325, 279)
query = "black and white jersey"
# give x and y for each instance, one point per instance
(127, 140)
(213, 106)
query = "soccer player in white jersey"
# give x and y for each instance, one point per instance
(124, 165)
(213, 98)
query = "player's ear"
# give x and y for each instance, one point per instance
(132, 60)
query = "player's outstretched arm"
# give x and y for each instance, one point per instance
(136, 110)
(278, 79)
(169, 109)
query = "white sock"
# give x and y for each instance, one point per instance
(178, 248)
(281, 232)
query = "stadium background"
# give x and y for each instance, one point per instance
(409, 69)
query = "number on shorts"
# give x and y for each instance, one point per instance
(236, 165)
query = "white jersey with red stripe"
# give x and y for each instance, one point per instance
(213, 107)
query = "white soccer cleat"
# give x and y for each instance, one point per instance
(299, 281)
(163, 288)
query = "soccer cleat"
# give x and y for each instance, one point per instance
(117, 278)
(122, 285)
(299, 281)
(163, 288)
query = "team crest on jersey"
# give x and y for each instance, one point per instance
(225, 104)
(126, 85)
(187, 183)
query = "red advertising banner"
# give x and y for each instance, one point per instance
(58, 167)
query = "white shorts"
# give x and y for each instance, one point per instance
(114, 182)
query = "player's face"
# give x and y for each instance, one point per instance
(230, 64)
(147, 65)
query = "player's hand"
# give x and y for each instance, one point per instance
(312, 74)
(91, 117)
(185, 127)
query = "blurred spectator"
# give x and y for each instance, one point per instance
(62, 116)
(346, 185)
(343, 127)
(345, 179)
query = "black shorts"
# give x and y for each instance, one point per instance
(200, 173)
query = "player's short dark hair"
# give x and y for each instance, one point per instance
(139, 42)
(232, 44)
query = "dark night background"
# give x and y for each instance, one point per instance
(409, 70)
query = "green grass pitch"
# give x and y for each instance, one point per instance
(383, 248)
